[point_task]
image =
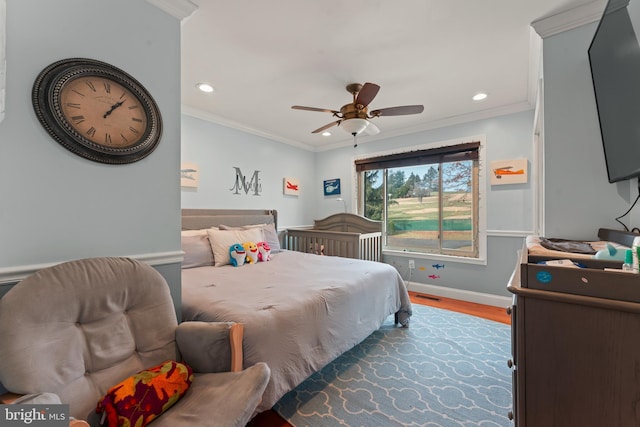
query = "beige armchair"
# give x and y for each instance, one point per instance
(80, 327)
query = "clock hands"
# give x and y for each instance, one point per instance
(113, 107)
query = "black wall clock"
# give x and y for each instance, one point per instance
(97, 111)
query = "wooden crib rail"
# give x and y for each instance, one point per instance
(343, 234)
(366, 246)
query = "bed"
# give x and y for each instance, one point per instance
(343, 234)
(300, 310)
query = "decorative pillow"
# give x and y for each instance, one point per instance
(237, 254)
(252, 252)
(268, 230)
(197, 251)
(264, 251)
(142, 397)
(221, 241)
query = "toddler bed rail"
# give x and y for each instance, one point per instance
(345, 235)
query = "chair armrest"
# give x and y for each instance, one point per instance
(211, 346)
(7, 398)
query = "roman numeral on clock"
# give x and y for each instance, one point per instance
(77, 119)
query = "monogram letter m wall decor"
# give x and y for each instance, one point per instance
(241, 183)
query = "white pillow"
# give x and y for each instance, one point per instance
(269, 234)
(221, 241)
(201, 232)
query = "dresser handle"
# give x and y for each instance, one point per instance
(510, 363)
(510, 415)
(509, 311)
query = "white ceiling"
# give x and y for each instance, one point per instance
(262, 57)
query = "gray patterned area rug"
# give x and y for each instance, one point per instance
(447, 369)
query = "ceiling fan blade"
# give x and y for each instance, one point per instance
(371, 129)
(326, 126)
(398, 111)
(322, 110)
(367, 93)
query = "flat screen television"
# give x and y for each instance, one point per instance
(614, 57)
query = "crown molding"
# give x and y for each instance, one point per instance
(436, 124)
(180, 9)
(213, 118)
(569, 19)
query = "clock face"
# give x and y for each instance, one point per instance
(97, 111)
(103, 111)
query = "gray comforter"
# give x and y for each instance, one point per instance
(300, 310)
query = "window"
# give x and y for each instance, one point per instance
(427, 199)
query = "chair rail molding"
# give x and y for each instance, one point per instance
(15, 274)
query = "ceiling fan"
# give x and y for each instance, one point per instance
(354, 117)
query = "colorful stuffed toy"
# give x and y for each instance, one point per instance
(264, 251)
(237, 254)
(252, 252)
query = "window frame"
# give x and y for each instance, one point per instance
(481, 258)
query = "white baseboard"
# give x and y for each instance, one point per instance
(460, 294)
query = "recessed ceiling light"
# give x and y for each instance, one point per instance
(326, 133)
(479, 96)
(205, 87)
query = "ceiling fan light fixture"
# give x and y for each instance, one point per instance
(326, 133)
(354, 126)
(353, 117)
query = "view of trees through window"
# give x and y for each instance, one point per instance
(426, 208)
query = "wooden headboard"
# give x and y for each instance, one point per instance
(195, 219)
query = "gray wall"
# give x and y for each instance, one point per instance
(579, 198)
(55, 205)
(218, 149)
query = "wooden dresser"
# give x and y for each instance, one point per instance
(575, 345)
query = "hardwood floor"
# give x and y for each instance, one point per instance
(498, 314)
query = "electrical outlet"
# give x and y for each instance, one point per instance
(412, 264)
